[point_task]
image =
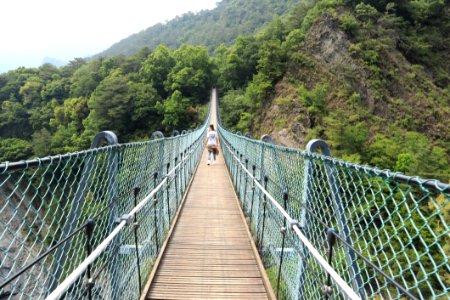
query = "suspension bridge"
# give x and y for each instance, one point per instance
(150, 220)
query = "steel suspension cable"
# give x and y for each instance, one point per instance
(125, 220)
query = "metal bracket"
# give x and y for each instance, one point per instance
(293, 223)
(126, 218)
(326, 290)
(267, 139)
(315, 144)
(109, 136)
(90, 283)
(157, 134)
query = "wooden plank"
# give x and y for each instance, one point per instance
(181, 288)
(207, 295)
(208, 281)
(209, 254)
(194, 267)
(209, 273)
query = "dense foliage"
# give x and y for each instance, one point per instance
(370, 77)
(52, 110)
(378, 93)
(208, 28)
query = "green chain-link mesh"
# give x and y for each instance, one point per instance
(45, 200)
(402, 227)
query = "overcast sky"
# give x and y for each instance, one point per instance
(64, 29)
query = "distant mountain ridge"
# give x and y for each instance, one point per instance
(211, 28)
(54, 61)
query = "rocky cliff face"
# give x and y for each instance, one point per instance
(389, 93)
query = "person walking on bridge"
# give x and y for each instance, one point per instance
(212, 144)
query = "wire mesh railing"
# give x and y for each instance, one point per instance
(388, 233)
(55, 211)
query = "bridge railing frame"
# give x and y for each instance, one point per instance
(150, 175)
(328, 194)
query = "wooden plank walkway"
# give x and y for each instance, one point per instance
(209, 254)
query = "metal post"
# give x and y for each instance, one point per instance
(245, 188)
(78, 202)
(176, 180)
(331, 241)
(280, 175)
(283, 233)
(253, 193)
(155, 217)
(357, 282)
(236, 170)
(89, 231)
(261, 240)
(189, 162)
(185, 164)
(181, 173)
(240, 175)
(168, 194)
(136, 241)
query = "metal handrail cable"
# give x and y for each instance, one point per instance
(79, 271)
(346, 289)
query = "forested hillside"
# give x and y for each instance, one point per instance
(52, 110)
(208, 28)
(369, 77)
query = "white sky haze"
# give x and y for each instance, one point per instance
(64, 29)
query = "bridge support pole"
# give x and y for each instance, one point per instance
(253, 194)
(261, 239)
(155, 216)
(339, 210)
(244, 202)
(168, 196)
(78, 201)
(176, 180)
(136, 241)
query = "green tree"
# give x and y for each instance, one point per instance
(237, 65)
(85, 79)
(315, 103)
(65, 139)
(58, 88)
(382, 151)
(192, 74)
(144, 98)
(406, 163)
(31, 91)
(157, 67)
(14, 119)
(272, 60)
(176, 111)
(110, 105)
(13, 149)
(41, 142)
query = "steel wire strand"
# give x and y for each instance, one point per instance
(360, 255)
(62, 288)
(339, 281)
(53, 248)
